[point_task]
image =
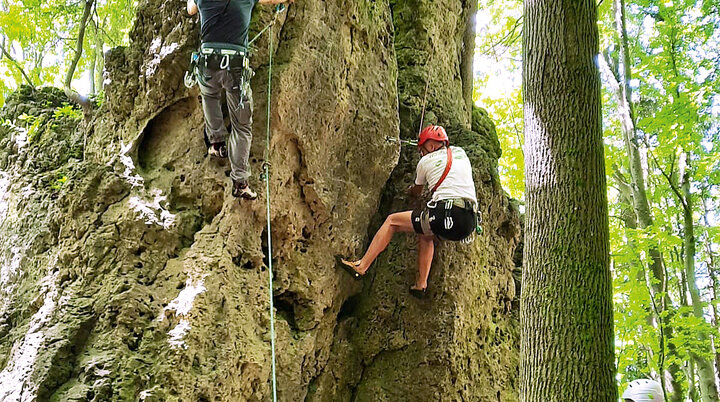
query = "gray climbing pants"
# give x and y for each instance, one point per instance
(212, 83)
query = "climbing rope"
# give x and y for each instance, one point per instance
(280, 8)
(422, 115)
(266, 177)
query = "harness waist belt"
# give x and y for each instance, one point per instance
(228, 49)
(457, 202)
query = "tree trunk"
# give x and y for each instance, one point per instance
(99, 63)
(692, 389)
(566, 306)
(91, 80)
(468, 56)
(690, 371)
(74, 96)
(706, 373)
(714, 283)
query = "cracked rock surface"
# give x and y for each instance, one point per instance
(128, 272)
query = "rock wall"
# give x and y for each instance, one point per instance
(129, 272)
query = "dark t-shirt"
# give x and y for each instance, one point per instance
(225, 21)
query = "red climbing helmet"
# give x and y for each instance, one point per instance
(436, 133)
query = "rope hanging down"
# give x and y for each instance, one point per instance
(422, 115)
(266, 177)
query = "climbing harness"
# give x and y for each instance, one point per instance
(221, 56)
(225, 56)
(458, 202)
(191, 74)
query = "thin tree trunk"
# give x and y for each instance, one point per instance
(468, 56)
(92, 73)
(566, 312)
(705, 369)
(692, 391)
(714, 283)
(690, 371)
(74, 96)
(100, 62)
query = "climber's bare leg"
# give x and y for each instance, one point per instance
(397, 222)
(426, 250)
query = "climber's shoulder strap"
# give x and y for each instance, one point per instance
(448, 165)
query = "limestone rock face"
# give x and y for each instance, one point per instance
(129, 272)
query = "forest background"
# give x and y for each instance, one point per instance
(660, 66)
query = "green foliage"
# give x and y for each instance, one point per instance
(59, 182)
(497, 84)
(673, 98)
(41, 37)
(32, 126)
(68, 110)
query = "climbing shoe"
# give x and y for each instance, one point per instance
(242, 190)
(418, 293)
(348, 266)
(218, 150)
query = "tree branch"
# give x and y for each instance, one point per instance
(17, 65)
(613, 80)
(673, 187)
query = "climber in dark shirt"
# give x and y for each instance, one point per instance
(224, 36)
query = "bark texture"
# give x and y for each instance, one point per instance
(566, 303)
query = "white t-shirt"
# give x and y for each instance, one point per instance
(458, 183)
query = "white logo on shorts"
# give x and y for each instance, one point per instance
(448, 223)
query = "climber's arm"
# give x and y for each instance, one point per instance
(417, 187)
(415, 190)
(192, 7)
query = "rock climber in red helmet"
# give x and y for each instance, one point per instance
(450, 214)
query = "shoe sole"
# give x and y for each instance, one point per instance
(216, 154)
(356, 275)
(419, 294)
(248, 197)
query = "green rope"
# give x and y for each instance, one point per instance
(266, 174)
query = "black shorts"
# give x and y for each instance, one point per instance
(453, 223)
